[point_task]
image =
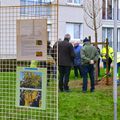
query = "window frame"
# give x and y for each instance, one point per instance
(118, 10)
(118, 35)
(118, 40)
(73, 2)
(106, 34)
(106, 10)
(72, 31)
(35, 11)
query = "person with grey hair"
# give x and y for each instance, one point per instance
(77, 60)
(65, 62)
(89, 55)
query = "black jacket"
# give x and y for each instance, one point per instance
(65, 53)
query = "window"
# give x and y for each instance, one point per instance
(107, 9)
(118, 10)
(74, 1)
(108, 33)
(75, 30)
(103, 10)
(49, 29)
(36, 1)
(35, 10)
(118, 40)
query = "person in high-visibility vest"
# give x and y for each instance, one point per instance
(118, 65)
(34, 64)
(110, 57)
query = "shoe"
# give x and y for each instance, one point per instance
(118, 82)
(76, 78)
(109, 74)
(92, 91)
(60, 90)
(67, 90)
(84, 91)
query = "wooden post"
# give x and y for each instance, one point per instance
(96, 64)
(89, 37)
(107, 57)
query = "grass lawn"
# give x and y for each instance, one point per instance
(8, 108)
(76, 105)
(72, 106)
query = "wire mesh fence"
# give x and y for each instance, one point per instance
(28, 93)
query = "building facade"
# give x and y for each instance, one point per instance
(71, 19)
(71, 15)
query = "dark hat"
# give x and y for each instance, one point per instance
(48, 42)
(86, 40)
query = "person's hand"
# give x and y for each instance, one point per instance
(91, 61)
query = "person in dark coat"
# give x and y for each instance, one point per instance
(77, 60)
(89, 55)
(65, 61)
(98, 62)
(55, 56)
(55, 50)
(98, 49)
(51, 68)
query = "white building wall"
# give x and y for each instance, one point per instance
(74, 14)
(8, 29)
(62, 2)
(10, 2)
(68, 14)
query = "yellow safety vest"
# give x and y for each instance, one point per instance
(110, 53)
(34, 64)
(118, 57)
(50, 60)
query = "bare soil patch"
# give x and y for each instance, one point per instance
(99, 85)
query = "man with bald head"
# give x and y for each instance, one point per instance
(65, 61)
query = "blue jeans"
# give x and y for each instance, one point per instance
(88, 68)
(118, 65)
(109, 64)
(64, 73)
(77, 69)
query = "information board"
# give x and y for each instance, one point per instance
(31, 87)
(32, 39)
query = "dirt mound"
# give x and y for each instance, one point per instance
(75, 84)
(105, 81)
(100, 84)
